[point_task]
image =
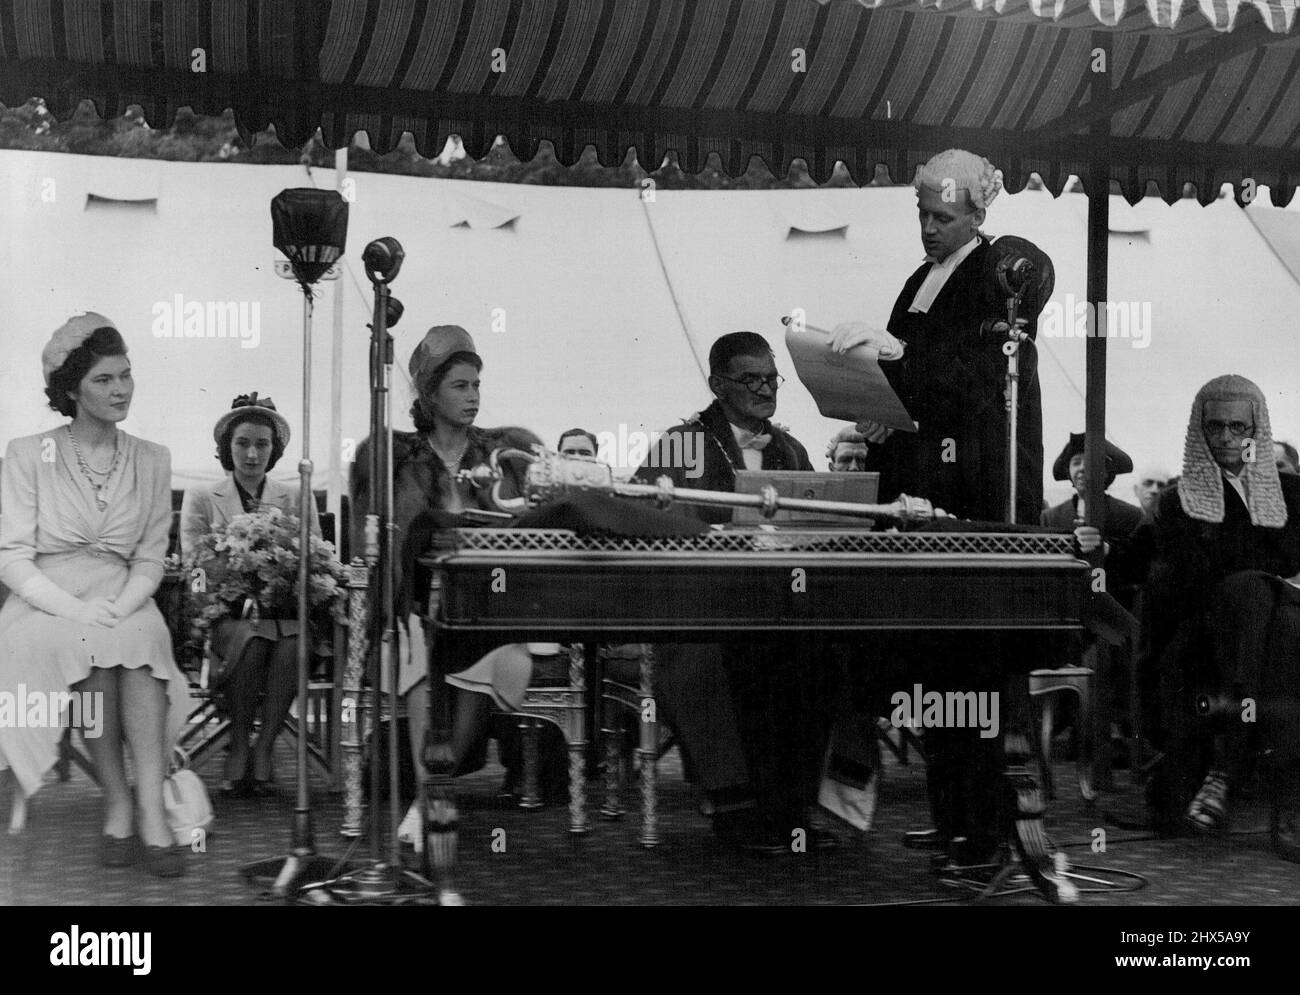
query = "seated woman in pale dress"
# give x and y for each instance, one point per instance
(258, 659)
(87, 510)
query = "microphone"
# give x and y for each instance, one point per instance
(1013, 273)
(383, 259)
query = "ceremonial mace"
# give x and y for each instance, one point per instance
(551, 475)
(310, 228)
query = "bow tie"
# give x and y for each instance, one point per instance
(758, 442)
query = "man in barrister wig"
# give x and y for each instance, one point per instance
(1224, 618)
(943, 356)
(750, 717)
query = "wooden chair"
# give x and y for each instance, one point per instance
(567, 709)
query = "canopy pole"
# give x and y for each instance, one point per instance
(1095, 390)
(335, 483)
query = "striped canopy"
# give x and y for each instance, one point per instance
(1199, 91)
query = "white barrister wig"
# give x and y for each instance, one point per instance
(962, 170)
(1201, 488)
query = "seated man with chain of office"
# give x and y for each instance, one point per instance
(751, 718)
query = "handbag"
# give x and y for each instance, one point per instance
(189, 811)
(217, 669)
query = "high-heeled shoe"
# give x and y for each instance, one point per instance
(164, 861)
(234, 789)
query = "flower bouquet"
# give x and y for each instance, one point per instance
(248, 568)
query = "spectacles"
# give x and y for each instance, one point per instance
(753, 381)
(1237, 429)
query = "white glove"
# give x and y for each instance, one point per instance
(42, 593)
(852, 334)
(874, 432)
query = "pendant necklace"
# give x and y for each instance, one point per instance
(90, 473)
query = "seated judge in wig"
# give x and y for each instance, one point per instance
(253, 661)
(444, 370)
(946, 364)
(87, 510)
(1224, 614)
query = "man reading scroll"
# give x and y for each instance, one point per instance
(951, 377)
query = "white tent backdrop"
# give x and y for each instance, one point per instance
(590, 307)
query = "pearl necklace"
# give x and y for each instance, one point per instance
(451, 465)
(90, 472)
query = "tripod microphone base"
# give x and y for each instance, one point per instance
(286, 874)
(372, 884)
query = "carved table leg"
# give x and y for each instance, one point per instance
(355, 701)
(613, 806)
(1045, 865)
(442, 821)
(578, 744)
(648, 751)
(530, 731)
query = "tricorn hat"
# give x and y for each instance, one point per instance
(1117, 461)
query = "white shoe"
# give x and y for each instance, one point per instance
(412, 828)
(856, 806)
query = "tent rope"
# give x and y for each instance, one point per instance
(668, 281)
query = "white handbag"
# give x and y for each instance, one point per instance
(189, 811)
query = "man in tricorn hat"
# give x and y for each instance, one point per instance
(1121, 517)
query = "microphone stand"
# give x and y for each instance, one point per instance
(1011, 349)
(381, 881)
(302, 862)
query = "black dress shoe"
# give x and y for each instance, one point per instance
(924, 839)
(822, 839)
(746, 831)
(1285, 830)
(164, 861)
(116, 852)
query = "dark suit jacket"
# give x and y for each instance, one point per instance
(951, 380)
(1122, 518)
(1193, 556)
(714, 445)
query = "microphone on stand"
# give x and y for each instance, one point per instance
(1013, 274)
(383, 259)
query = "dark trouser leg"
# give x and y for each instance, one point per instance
(965, 759)
(780, 702)
(242, 692)
(693, 695)
(1242, 610)
(281, 689)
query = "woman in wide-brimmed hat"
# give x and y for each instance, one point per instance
(251, 661)
(87, 510)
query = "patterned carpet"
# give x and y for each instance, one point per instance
(542, 864)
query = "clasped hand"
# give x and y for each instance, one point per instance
(1089, 538)
(100, 611)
